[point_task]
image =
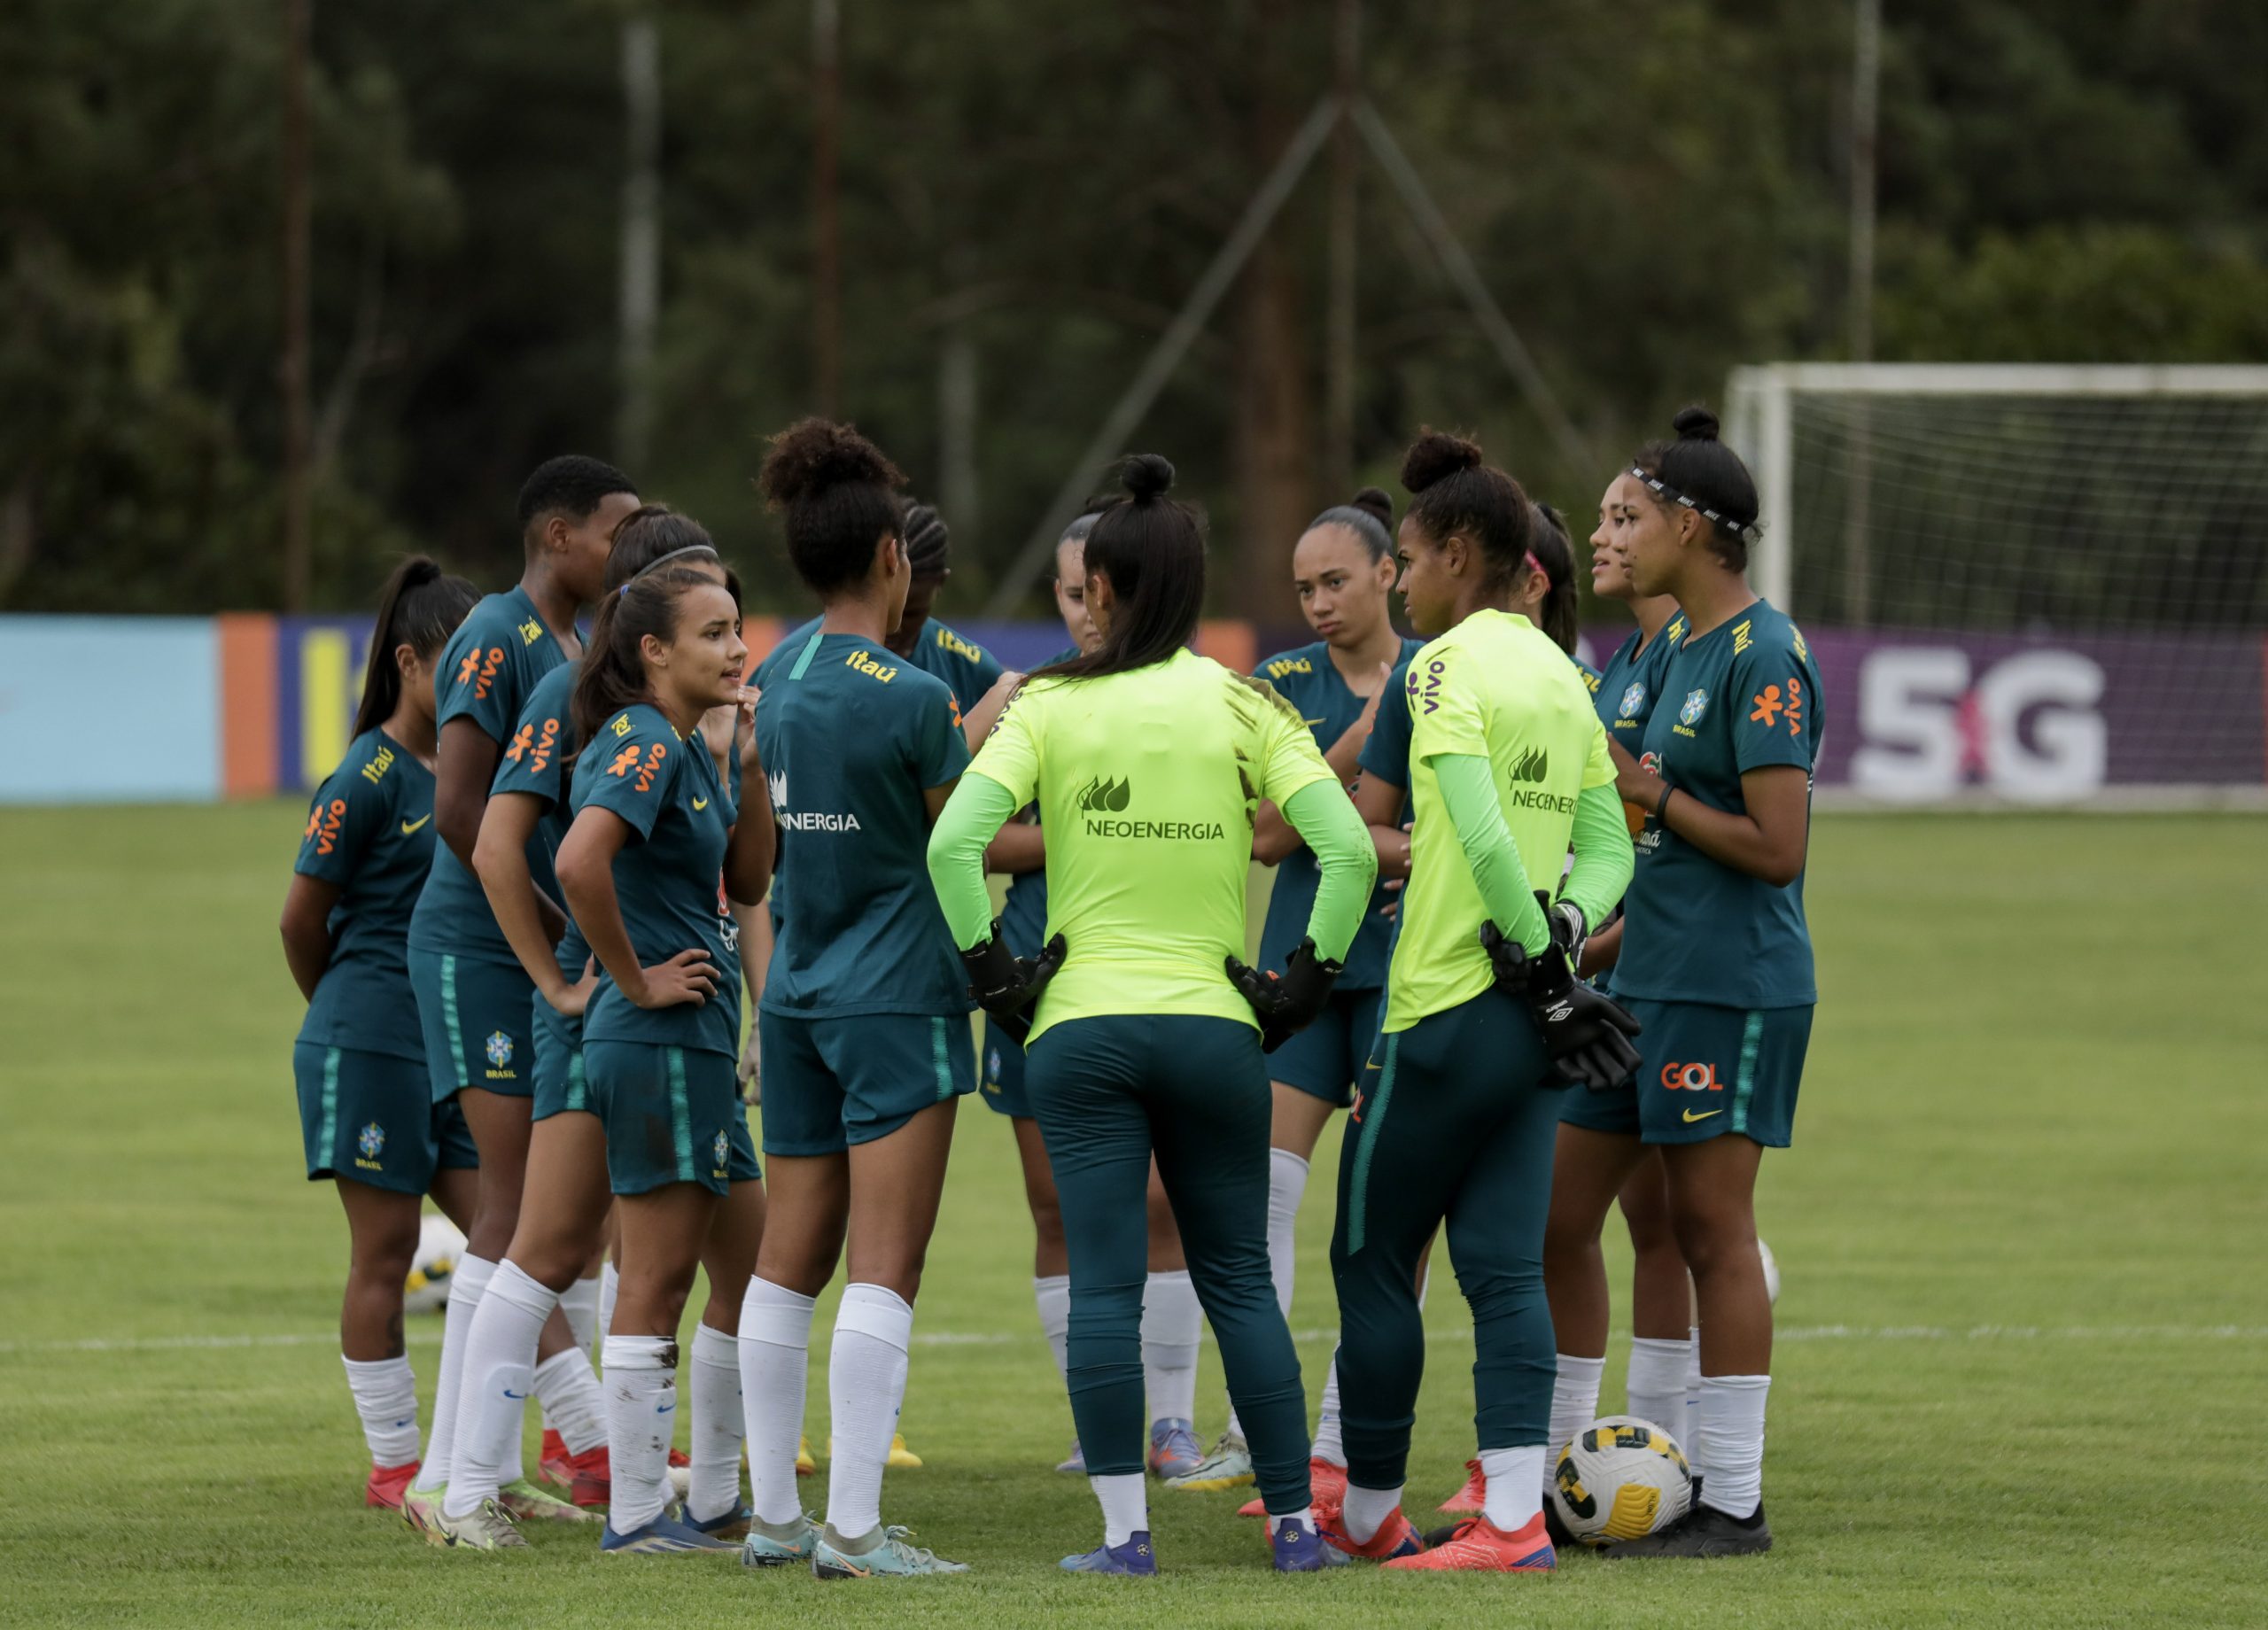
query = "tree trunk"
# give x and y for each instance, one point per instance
(1275, 437)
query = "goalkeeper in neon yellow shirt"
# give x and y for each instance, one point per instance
(1457, 1112)
(1148, 763)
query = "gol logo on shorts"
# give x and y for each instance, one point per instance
(1691, 1078)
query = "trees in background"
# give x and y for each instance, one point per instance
(1654, 192)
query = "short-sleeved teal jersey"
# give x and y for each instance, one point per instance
(489, 669)
(967, 669)
(370, 832)
(1631, 683)
(1309, 681)
(1023, 913)
(1740, 697)
(535, 761)
(1386, 756)
(668, 878)
(851, 736)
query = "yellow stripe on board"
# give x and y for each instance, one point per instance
(326, 701)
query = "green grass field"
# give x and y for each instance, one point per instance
(2023, 1334)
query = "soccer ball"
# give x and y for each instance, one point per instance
(439, 1246)
(1620, 1478)
(1771, 1273)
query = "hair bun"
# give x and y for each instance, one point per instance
(1373, 500)
(1695, 423)
(1145, 475)
(1434, 455)
(813, 455)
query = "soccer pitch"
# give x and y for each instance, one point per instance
(2024, 1336)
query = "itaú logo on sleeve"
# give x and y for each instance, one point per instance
(1104, 797)
(805, 820)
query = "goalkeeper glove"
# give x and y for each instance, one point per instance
(1586, 1032)
(1287, 1003)
(1569, 931)
(1005, 986)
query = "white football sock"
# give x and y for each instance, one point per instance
(569, 1389)
(641, 1414)
(1575, 1400)
(609, 1287)
(865, 1383)
(1053, 1295)
(718, 1425)
(580, 1301)
(1329, 1446)
(1515, 1485)
(465, 1287)
(1304, 1519)
(775, 1358)
(1692, 1442)
(1655, 1385)
(1172, 1321)
(1732, 1425)
(493, 1394)
(1288, 1181)
(385, 1396)
(1125, 1506)
(1367, 1509)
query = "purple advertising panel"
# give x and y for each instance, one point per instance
(1919, 717)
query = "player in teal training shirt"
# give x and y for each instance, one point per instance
(864, 1017)
(1716, 958)
(367, 1120)
(566, 1201)
(1574, 1272)
(473, 996)
(650, 864)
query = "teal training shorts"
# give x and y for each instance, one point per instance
(370, 1118)
(475, 1018)
(829, 1084)
(561, 1081)
(1003, 1088)
(1704, 1071)
(672, 1114)
(1324, 1060)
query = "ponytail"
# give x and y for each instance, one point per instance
(613, 674)
(1152, 548)
(418, 607)
(1550, 552)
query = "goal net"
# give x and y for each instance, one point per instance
(2025, 584)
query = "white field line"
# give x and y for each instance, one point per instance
(430, 1336)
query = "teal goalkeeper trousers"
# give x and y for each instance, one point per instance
(1452, 1122)
(1107, 1092)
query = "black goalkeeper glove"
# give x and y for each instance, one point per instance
(1586, 1032)
(1287, 1003)
(1005, 986)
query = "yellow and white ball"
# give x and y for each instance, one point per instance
(1620, 1478)
(440, 1246)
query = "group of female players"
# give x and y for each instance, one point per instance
(535, 1019)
